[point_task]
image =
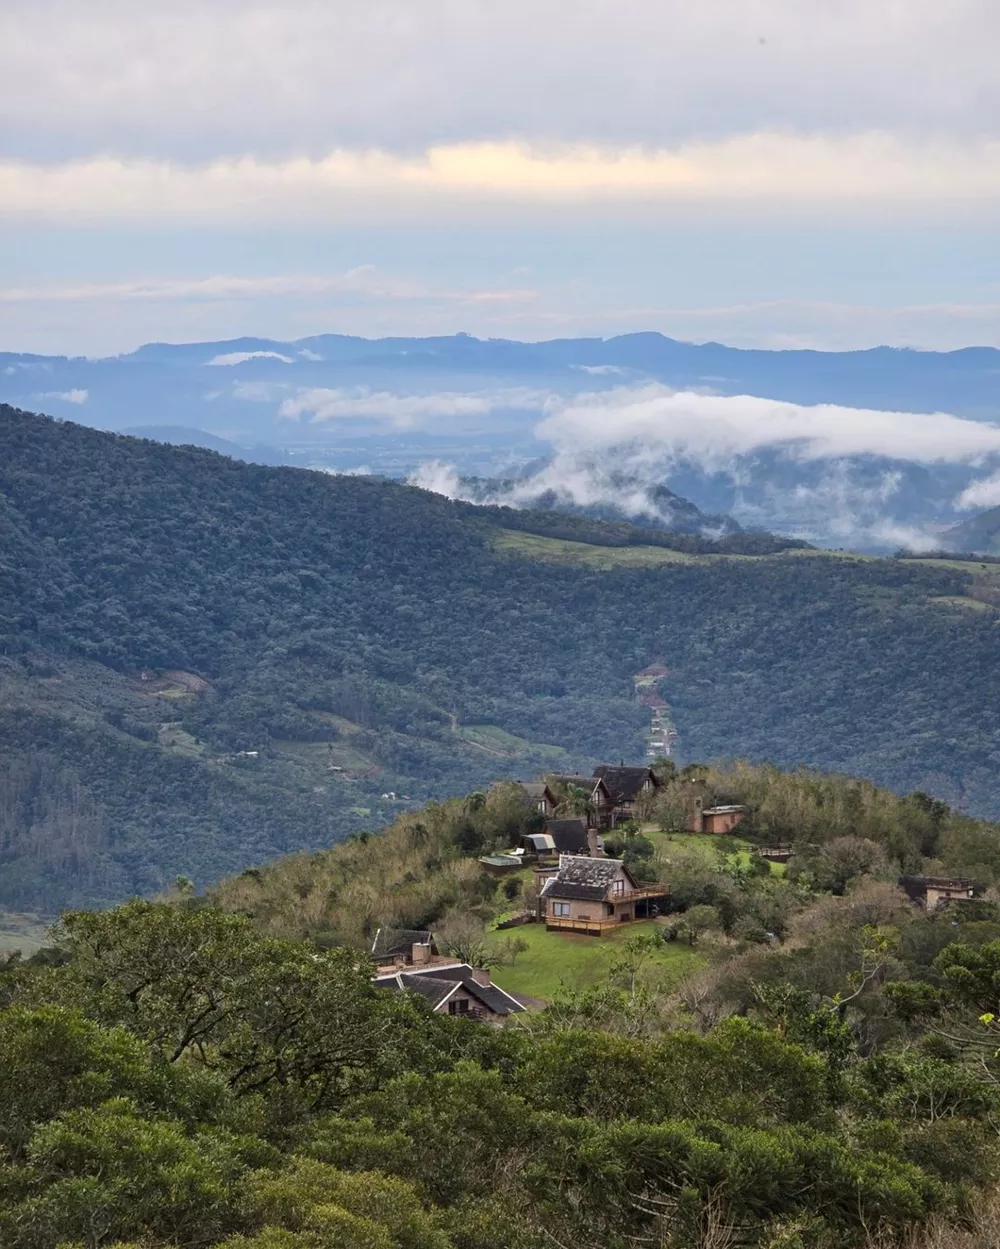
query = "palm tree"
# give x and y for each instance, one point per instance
(475, 802)
(577, 802)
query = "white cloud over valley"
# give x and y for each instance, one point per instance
(402, 411)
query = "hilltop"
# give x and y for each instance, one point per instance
(802, 1057)
(206, 663)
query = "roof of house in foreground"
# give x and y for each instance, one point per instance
(437, 984)
(585, 879)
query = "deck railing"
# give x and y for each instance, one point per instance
(595, 926)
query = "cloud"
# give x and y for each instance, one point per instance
(362, 279)
(402, 411)
(840, 476)
(277, 77)
(654, 422)
(241, 357)
(769, 168)
(440, 478)
(75, 396)
(980, 494)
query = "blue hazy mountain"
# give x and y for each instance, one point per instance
(392, 405)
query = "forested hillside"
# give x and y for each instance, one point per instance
(221, 1071)
(205, 663)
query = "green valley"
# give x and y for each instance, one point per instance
(205, 663)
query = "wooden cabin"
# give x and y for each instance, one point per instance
(455, 989)
(598, 794)
(594, 896)
(626, 786)
(933, 892)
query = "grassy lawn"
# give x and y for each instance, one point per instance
(496, 741)
(563, 550)
(708, 844)
(957, 600)
(567, 959)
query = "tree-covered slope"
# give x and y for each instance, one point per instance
(364, 637)
(980, 534)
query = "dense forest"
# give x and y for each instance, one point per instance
(220, 1071)
(204, 663)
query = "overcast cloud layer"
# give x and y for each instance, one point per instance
(201, 78)
(131, 122)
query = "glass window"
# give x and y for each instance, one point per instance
(560, 908)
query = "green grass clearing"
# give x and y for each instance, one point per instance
(565, 551)
(738, 851)
(497, 741)
(556, 960)
(959, 600)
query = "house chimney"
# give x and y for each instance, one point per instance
(594, 847)
(697, 821)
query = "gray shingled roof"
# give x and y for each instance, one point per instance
(557, 888)
(625, 783)
(570, 836)
(437, 983)
(585, 879)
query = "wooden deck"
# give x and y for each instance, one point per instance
(597, 927)
(593, 926)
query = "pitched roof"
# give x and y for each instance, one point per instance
(536, 790)
(437, 984)
(586, 879)
(625, 784)
(589, 783)
(721, 810)
(389, 942)
(568, 836)
(541, 843)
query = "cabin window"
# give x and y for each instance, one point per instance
(618, 886)
(560, 908)
(460, 1006)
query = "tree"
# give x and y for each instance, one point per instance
(697, 920)
(465, 937)
(331, 1208)
(268, 1015)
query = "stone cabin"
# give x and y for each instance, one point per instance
(715, 819)
(455, 989)
(626, 786)
(403, 947)
(594, 895)
(933, 892)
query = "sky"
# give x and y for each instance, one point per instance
(775, 173)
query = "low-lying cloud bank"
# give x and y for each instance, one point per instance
(404, 411)
(842, 476)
